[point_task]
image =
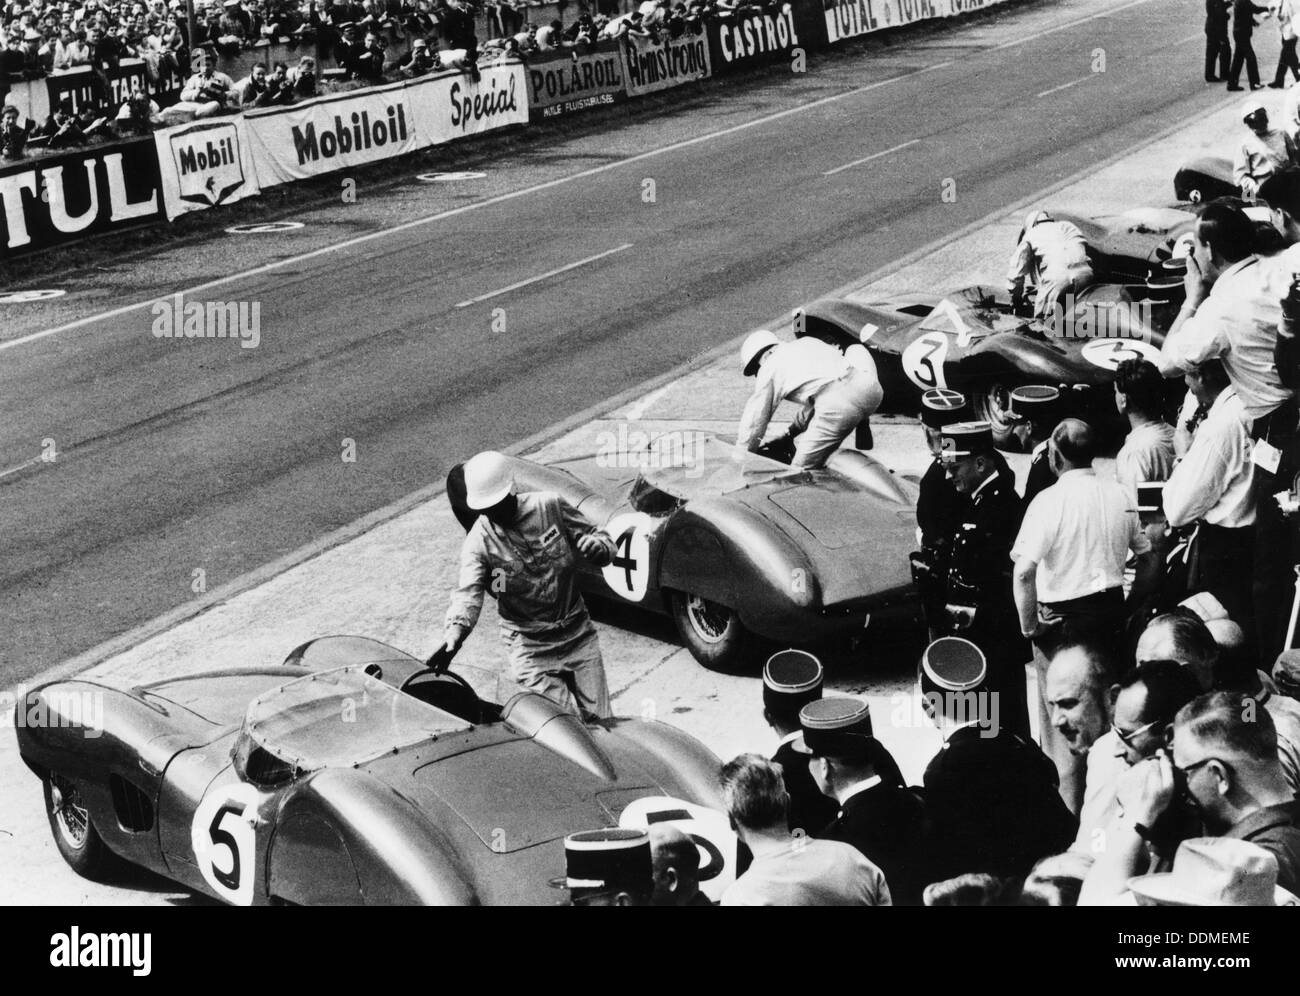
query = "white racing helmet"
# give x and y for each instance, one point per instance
(488, 480)
(754, 345)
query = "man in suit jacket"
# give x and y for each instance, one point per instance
(876, 815)
(991, 799)
(1217, 49)
(1243, 26)
(1035, 410)
(792, 679)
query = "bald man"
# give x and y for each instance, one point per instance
(676, 868)
(1069, 572)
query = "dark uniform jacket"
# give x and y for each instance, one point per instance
(809, 809)
(1277, 830)
(886, 823)
(938, 507)
(1243, 18)
(1040, 477)
(992, 805)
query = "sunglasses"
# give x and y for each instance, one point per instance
(1128, 737)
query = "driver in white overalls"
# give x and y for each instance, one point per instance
(522, 549)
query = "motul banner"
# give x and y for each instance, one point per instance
(205, 163)
(57, 199)
(569, 81)
(330, 133)
(657, 65)
(452, 105)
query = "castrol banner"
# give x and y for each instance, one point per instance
(331, 133)
(451, 105)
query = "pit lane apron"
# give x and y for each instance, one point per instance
(563, 663)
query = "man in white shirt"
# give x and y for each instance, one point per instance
(1262, 152)
(1076, 697)
(1054, 257)
(789, 870)
(1147, 455)
(1212, 490)
(835, 396)
(1232, 311)
(1068, 579)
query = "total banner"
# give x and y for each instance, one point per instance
(204, 164)
(451, 105)
(752, 36)
(566, 82)
(649, 65)
(330, 133)
(58, 199)
(851, 18)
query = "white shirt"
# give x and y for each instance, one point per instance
(1099, 803)
(1079, 532)
(1147, 455)
(1237, 323)
(1048, 251)
(808, 872)
(1214, 480)
(858, 789)
(1259, 157)
(793, 371)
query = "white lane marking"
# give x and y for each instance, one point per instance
(126, 309)
(1063, 27)
(637, 410)
(21, 467)
(544, 276)
(859, 162)
(1066, 86)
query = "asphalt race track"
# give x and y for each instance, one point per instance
(177, 457)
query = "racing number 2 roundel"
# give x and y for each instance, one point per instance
(1110, 353)
(923, 360)
(224, 838)
(628, 574)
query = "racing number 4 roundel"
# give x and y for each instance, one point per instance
(923, 360)
(224, 838)
(628, 574)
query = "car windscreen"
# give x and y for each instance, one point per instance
(707, 467)
(339, 717)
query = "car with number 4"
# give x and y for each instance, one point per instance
(353, 774)
(741, 550)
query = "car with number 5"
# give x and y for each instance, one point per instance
(352, 773)
(741, 550)
(971, 340)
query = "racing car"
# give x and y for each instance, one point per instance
(1204, 179)
(741, 550)
(353, 774)
(972, 340)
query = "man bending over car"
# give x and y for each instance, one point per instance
(1052, 256)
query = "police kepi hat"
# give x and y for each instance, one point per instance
(835, 727)
(1034, 401)
(1286, 673)
(942, 406)
(953, 664)
(963, 439)
(792, 678)
(612, 859)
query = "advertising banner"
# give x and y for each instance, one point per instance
(851, 18)
(204, 164)
(565, 82)
(451, 105)
(750, 37)
(657, 65)
(56, 199)
(330, 133)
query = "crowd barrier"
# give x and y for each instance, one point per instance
(57, 199)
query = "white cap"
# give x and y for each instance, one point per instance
(755, 343)
(488, 480)
(1034, 217)
(1250, 107)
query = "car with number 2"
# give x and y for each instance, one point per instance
(741, 550)
(353, 773)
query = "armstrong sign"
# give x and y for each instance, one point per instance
(649, 65)
(205, 164)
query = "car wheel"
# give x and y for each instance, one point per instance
(74, 834)
(713, 633)
(991, 405)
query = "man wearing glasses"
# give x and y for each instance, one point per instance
(1224, 764)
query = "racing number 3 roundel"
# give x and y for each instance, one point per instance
(923, 360)
(628, 574)
(224, 838)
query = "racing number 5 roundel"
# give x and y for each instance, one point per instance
(923, 360)
(710, 829)
(628, 574)
(225, 841)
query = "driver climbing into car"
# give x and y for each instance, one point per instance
(836, 395)
(1053, 256)
(523, 549)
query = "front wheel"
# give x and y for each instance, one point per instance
(74, 834)
(713, 634)
(991, 404)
